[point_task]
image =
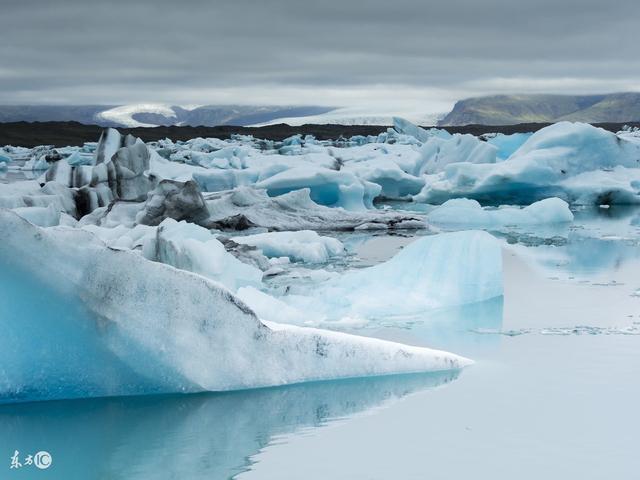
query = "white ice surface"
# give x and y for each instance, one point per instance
(573, 161)
(301, 246)
(190, 247)
(135, 326)
(462, 211)
(437, 271)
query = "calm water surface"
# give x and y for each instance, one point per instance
(554, 393)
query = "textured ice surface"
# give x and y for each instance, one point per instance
(433, 272)
(462, 211)
(439, 152)
(405, 127)
(326, 187)
(189, 247)
(507, 144)
(41, 216)
(302, 246)
(109, 322)
(388, 173)
(296, 211)
(574, 161)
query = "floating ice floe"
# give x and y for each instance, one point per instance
(326, 187)
(302, 246)
(463, 211)
(110, 322)
(189, 247)
(433, 272)
(246, 206)
(577, 162)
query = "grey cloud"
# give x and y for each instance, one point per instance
(187, 51)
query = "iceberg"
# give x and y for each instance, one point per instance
(121, 176)
(574, 161)
(506, 144)
(463, 211)
(189, 247)
(110, 322)
(41, 216)
(395, 183)
(433, 272)
(245, 207)
(438, 153)
(176, 200)
(301, 246)
(326, 187)
(405, 127)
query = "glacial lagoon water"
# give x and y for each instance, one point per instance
(554, 392)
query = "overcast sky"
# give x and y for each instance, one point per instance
(392, 53)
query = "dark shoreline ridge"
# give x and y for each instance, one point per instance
(60, 134)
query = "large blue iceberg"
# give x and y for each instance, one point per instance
(82, 319)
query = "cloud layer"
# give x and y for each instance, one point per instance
(354, 53)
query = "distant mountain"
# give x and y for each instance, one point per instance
(513, 109)
(358, 116)
(51, 113)
(155, 114)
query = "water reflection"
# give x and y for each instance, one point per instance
(193, 436)
(451, 328)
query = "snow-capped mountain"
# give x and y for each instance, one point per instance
(358, 116)
(155, 114)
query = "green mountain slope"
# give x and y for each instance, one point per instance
(513, 109)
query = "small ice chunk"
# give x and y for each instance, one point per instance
(301, 246)
(462, 211)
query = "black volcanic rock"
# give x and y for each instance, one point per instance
(60, 134)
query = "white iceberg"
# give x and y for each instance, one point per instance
(506, 144)
(42, 216)
(573, 161)
(463, 211)
(246, 206)
(438, 153)
(395, 183)
(437, 271)
(189, 247)
(405, 127)
(301, 246)
(327, 187)
(110, 322)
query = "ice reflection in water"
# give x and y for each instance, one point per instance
(193, 436)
